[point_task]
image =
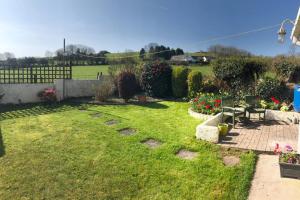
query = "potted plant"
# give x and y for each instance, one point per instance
(289, 162)
(223, 129)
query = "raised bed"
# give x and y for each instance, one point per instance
(289, 170)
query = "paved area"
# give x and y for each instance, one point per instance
(261, 136)
(267, 183)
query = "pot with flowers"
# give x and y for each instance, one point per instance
(289, 162)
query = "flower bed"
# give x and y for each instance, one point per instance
(206, 103)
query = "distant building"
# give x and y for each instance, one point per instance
(181, 59)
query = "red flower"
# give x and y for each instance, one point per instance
(218, 101)
(276, 101)
(202, 102)
(207, 106)
(196, 99)
(217, 105)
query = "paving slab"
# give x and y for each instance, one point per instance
(267, 183)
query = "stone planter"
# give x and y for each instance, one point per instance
(278, 115)
(289, 170)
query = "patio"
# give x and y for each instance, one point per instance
(261, 136)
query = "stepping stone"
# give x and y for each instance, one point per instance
(96, 115)
(186, 154)
(111, 122)
(127, 131)
(231, 161)
(152, 143)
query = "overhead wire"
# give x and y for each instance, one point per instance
(200, 42)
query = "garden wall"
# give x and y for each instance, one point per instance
(27, 93)
(22, 93)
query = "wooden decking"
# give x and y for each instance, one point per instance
(261, 136)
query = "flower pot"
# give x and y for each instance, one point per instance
(223, 129)
(142, 98)
(290, 170)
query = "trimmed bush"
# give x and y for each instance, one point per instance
(127, 85)
(271, 87)
(156, 79)
(194, 83)
(179, 81)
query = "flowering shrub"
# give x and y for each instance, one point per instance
(48, 95)
(274, 104)
(206, 103)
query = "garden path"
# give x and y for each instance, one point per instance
(267, 183)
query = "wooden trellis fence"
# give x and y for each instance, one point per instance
(16, 74)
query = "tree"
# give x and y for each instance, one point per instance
(179, 51)
(142, 53)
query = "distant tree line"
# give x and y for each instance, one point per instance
(153, 51)
(220, 50)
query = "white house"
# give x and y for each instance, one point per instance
(295, 37)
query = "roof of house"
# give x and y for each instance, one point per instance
(295, 36)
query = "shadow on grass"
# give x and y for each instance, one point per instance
(152, 105)
(18, 111)
(2, 147)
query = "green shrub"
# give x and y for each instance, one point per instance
(156, 79)
(271, 87)
(211, 86)
(287, 68)
(194, 83)
(179, 81)
(238, 73)
(127, 85)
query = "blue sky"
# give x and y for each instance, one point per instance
(29, 28)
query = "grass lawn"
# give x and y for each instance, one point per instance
(88, 72)
(61, 152)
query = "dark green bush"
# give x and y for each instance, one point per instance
(238, 73)
(211, 86)
(287, 68)
(271, 87)
(156, 79)
(194, 83)
(179, 81)
(127, 85)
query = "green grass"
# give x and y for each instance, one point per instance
(60, 152)
(88, 72)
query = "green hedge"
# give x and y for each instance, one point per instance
(156, 79)
(194, 83)
(179, 81)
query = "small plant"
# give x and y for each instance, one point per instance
(223, 129)
(103, 91)
(194, 83)
(179, 81)
(48, 95)
(206, 103)
(290, 157)
(127, 85)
